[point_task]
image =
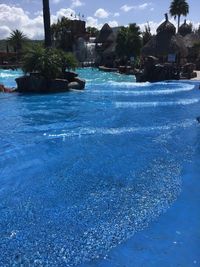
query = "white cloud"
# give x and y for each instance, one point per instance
(64, 12)
(195, 25)
(143, 6)
(38, 13)
(101, 13)
(92, 22)
(76, 3)
(116, 14)
(12, 18)
(153, 26)
(4, 32)
(127, 8)
(113, 23)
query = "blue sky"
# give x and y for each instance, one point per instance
(26, 15)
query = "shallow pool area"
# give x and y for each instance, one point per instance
(100, 177)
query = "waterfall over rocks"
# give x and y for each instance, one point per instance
(85, 51)
(90, 52)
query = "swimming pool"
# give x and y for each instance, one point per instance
(82, 172)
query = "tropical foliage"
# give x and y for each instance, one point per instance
(129, 41)
(61, 34)
(179, 8)
(92, 31)
(146, 34)
(17, 40)
(49, 63)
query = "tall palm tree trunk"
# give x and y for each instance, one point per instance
(179, 22)
(47, 23)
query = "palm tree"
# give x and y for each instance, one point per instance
(146, 34)
(47, 23)
(62, 34)
(178, 8)
(16, 40)
(129, 41)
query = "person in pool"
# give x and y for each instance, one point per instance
(4, 89)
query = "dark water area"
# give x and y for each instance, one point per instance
(106, 177)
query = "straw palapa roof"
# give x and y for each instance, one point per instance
(166, 27)
(165, 42)
(185, 29)
(164, 45)
(104, 33)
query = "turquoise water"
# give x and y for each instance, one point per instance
(85, 174)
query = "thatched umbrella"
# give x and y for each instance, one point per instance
(185, 29)
(165, 42)
(166, 27)
(161, 47)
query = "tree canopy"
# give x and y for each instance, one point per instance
(17, 39)
(179, 8)
(61, 34)
(146, 34)
(129, 41)
(49, 62)
(93, 31)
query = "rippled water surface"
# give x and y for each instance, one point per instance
(83, 171)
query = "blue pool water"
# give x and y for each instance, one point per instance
(84, 175)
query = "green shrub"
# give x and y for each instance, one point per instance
(48, 62)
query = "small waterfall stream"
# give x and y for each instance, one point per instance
(85, 51)
(90, 52)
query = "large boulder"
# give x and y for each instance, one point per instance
(31, 84)
(80, 81)
(70, 75)
(58, 85)
(22, 83)
(38, 84)
(157, 72)
(78, 84)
